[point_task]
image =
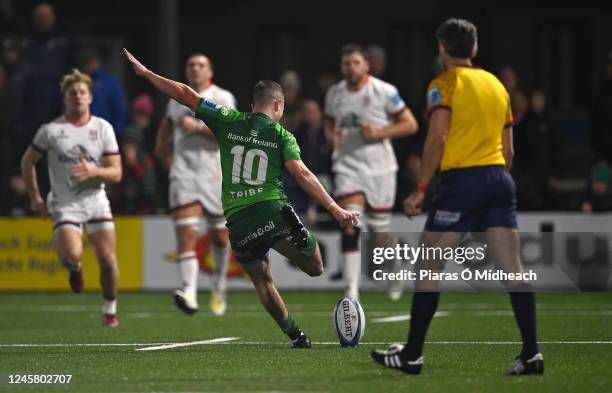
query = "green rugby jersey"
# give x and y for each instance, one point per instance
(253, 150)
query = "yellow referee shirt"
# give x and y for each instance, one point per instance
(480, 110)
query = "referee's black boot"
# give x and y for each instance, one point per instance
(393, 358)
(531, 366)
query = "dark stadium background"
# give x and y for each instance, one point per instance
(558, 47)
(562, 48)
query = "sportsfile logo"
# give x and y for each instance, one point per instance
(259, 232)
(348, 326)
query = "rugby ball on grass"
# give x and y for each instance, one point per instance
(349, 321)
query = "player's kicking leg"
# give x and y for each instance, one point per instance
(281, 229)
(302, 250)
(504, 245)
(67, 237)
(275, 306)
(221, 249)
(186, 224)
(103, 240)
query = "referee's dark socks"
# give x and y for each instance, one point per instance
(523, 304)
(290, 327)
(424, 306)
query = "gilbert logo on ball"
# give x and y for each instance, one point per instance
(349, 321)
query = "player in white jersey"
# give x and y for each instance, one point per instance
(195, 186)
(362, 114)
(82, 155)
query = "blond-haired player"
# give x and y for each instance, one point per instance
(82, 156)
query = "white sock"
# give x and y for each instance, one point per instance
(109, 307)
(351, 270)
(188, 269)
(221, 258)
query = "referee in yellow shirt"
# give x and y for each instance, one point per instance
(470, 141)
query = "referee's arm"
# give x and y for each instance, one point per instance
(439, 123)
(507, 147)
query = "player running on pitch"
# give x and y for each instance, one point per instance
(470, 139)
(195, 186)
(82, 155)
(254, 147)
(363, 113)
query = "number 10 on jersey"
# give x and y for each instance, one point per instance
(244, 164)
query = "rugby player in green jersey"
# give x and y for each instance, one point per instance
(254, 147)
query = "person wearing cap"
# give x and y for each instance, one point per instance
(141, 121)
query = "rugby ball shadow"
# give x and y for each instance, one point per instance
(349, 322)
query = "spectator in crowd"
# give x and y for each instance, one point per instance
(535, 143)
(135, 194)
(5, 140)
(597, 196)
(141, 127)
(17, 202)
(141, 120)
(109, 100)
(601, 118)
(519, 101)
(377, 56)
(16, 75)
(8, 17)
(49, 53)
(3, 101)
(316, 154)
(292, 85)
(324, 80)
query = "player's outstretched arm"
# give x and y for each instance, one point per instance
(28, 171)
(179, 91)
(309, 183)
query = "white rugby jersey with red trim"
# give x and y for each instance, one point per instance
(374, 103)
(65, 144)
(195, 157)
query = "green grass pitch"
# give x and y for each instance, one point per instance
(470, 345)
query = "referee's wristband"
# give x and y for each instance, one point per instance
(422, 187)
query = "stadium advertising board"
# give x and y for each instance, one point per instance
(28, 260)
(573, 237)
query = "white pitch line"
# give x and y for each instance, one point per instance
(178, 345)
(315, 343)
(429, 342)
(84, 345)
(518, 342)
(405, 317)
